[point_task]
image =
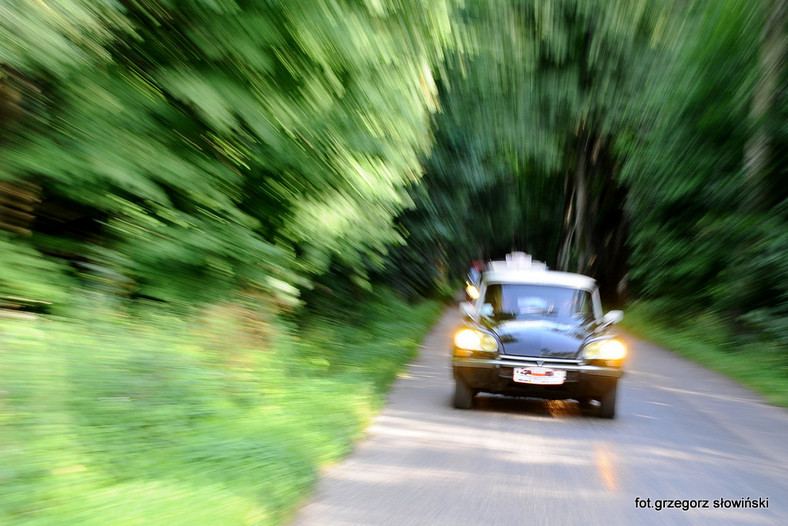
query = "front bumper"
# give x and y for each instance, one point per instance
(495, 376)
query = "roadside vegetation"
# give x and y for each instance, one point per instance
(223, 416)
(757, 363)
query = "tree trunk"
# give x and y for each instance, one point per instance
(567, 228)
(758, 151)
(581, 199)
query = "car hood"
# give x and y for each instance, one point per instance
(541, 338)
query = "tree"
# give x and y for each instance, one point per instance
(234, 144)
(532, 108)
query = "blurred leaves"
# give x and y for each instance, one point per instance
(222, 416)
(256, 145)
(220, 137)
(26, 278)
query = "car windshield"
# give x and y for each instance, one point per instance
(518, 301)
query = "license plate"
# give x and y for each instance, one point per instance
(538, 375)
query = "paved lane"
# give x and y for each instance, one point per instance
(681, 432)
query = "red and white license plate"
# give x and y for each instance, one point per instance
(538, 375)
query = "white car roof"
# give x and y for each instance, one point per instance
(540, 277)
(519, 267)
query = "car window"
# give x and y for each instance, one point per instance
(583, 306)
(518, 301)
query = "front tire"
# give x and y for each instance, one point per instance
(463, 395)
(607, 407)
(586, 404)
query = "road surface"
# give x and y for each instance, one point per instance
(682, 433)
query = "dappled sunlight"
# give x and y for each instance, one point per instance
(456, 439)
(425, 456)
(605, 463)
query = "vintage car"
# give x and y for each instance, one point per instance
(533, 332)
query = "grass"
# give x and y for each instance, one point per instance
(222, 417)
(710, 341)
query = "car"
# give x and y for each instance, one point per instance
(534, 332)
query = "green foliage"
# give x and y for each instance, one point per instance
(531, 104)
(26, 279)
(708, 233)
(215, 140)
(757, 362)
(219, 417)
(696, 116)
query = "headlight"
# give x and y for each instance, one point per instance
(612, 350)
(475, 341)
(472, 291)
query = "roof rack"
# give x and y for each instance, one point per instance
(517, 261)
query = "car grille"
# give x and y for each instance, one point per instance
(522, 349)
(535, 361)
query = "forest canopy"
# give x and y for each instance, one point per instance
(270, 147)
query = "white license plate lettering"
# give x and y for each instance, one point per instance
(538, 376)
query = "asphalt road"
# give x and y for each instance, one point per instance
(681, 432)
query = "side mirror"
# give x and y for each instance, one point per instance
(614, 316)
(487, 310)
(468, 310)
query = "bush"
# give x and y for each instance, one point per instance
(223, 416)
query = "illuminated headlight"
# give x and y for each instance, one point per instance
(612, 350)
(475, 341)
(472, 291)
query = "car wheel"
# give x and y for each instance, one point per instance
(586, 404)
(463, 395)
(607, 404)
